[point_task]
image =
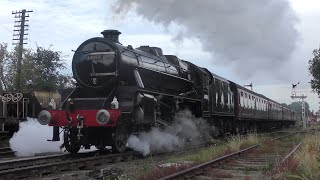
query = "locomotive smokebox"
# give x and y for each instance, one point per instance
(112, 35)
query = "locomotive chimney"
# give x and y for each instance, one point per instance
(111, 34)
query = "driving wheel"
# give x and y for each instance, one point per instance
(120, 139)
(70, 141)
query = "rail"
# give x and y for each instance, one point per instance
(22, 168)
(291, 152)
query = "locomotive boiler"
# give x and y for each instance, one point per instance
(121, 90)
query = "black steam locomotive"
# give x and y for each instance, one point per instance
(122, 90)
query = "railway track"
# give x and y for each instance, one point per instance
(42, 166)
(251, 164)
(6, 152)
(45, 165)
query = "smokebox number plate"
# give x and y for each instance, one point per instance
(95, 57)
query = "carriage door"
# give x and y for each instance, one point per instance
(205, 100)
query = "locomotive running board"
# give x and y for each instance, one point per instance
(171, 95)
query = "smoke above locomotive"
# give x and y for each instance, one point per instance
(252, 37)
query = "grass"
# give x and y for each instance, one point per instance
(305, 163)
(234, 143)
(309, 157)
(200, 156)
(237, 142)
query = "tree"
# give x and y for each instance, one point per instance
(3, 57)
(42, 69)
(47, 68)
(285, 105)
(314, 70)
(296, 106)
(7, 67)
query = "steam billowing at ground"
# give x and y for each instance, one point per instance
(32, 139)
(185, 128)
(252, 34)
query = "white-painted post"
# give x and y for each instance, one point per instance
(304, 121)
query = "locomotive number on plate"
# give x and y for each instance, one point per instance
(95, 57)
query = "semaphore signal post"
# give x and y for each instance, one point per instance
(302, 97)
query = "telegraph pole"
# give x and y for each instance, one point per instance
(19, 32)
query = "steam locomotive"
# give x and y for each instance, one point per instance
(121, 90)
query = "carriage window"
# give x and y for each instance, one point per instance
(266, 105)
(216, 98)
(222, 101)
(231, 99)
(255, 103)
(252, 102)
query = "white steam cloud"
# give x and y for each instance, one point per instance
(185, 128)
(32, 139)
(251, 35)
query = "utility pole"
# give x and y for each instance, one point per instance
(19, 32)
(302, 97)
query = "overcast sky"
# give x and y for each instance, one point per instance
(66, 24)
